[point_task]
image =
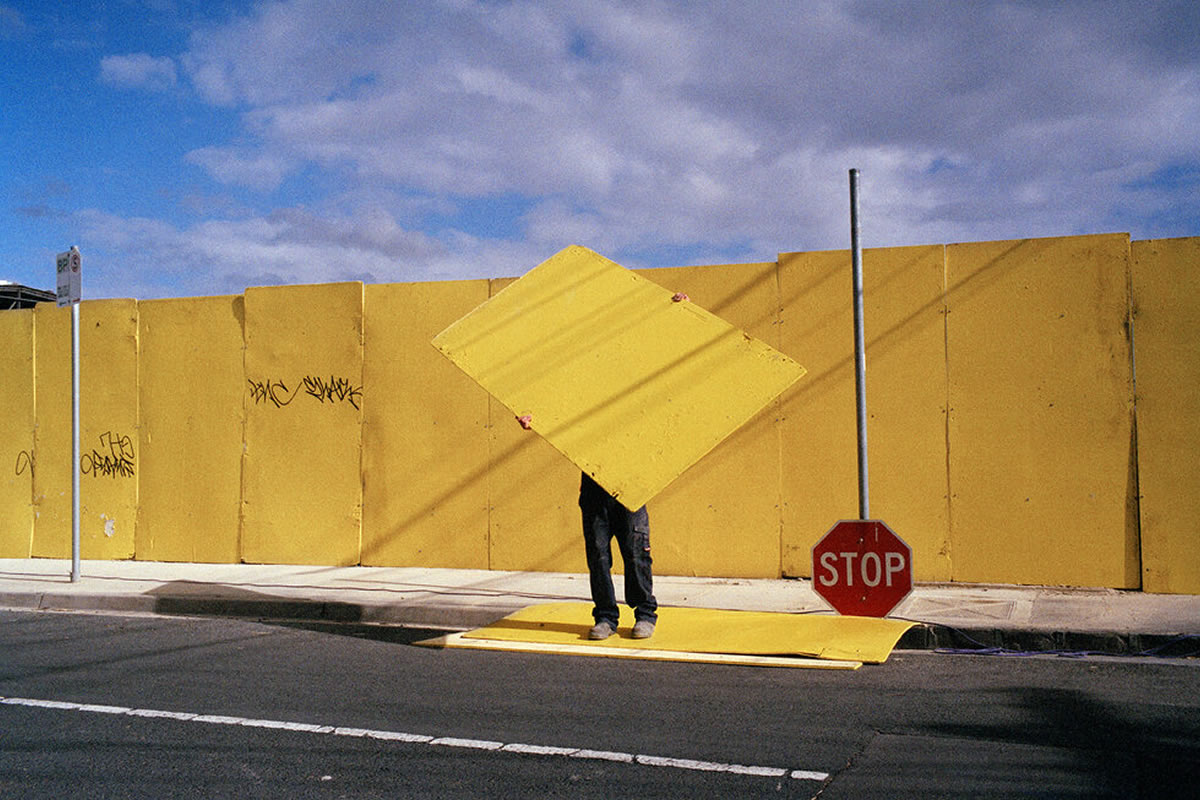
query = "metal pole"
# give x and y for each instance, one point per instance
(75, 448)
(860, 351)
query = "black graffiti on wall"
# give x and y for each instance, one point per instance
(25, 462)
(274, 392)
(332, 390)
(114, 459)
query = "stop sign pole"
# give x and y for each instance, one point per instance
(861, 567)
(860, 351)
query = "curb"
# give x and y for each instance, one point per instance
(453, 617)
(922, 636)
(1016, 642)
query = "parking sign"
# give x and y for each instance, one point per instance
(68, 264)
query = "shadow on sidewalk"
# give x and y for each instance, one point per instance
(193, 599)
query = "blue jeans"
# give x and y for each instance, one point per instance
(603, 519)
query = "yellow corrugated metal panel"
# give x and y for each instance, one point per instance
(1040, 412)
(192, 389)
(1166, 290)
(52, 438)
(17, 459)
(425, 441)
(819, 477)
(735, 488)
(630, 386)
(302, 474)
(109, 420)
(108, 430)
(906, 396)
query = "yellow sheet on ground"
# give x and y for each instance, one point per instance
(631, 387)
(459, 641)
(702, 630)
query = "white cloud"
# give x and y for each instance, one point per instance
(261, 170)
(138, 71)
(716, 127)
(148, 258)
(298, 51)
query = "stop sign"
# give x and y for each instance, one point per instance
(862, 568)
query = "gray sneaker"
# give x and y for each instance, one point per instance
(643, 629)
(601, 630)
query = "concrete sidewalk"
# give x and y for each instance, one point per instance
(950, 615)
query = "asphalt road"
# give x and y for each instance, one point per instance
(101, 706)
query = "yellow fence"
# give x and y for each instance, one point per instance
(316, 424)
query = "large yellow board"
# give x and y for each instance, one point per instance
(108, 430)
(632, 387)
(463, 641)
(1166, 286)
(16, 432)
(302, 471)
(191, 389)
(1040, 421)
(425, 443)
(735, 487)
(706, 630)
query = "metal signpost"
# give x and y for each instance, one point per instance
(68, 283)
(860, 351)
(861, 567)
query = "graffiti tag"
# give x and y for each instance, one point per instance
(332, 390)
(114, 459)
(25, 462)
(274, 392)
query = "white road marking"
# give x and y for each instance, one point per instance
(472, 744)
(416, 738)
(149, 712)
(303, 727)
(397, 736)
(604, 755)
(680, 763)
(805, 775)
(772, 772)
(216, 719)
(40, 703)
(539, 749)
(105, 709)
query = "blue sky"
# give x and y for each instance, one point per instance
(195, 148)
